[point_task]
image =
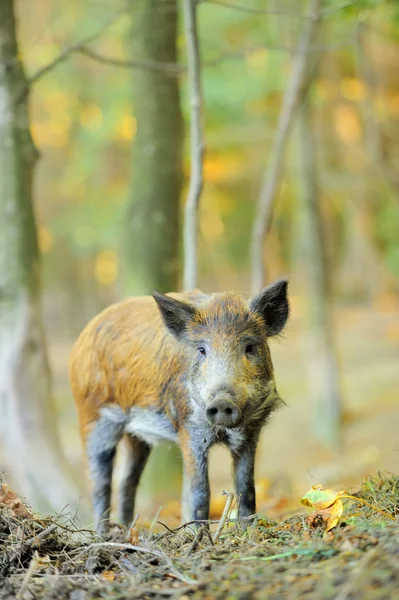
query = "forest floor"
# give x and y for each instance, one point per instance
(294, 557)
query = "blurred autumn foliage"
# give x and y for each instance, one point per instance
(83, 123)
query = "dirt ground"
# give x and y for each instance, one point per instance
(292, 558)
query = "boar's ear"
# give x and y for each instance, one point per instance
(175, 314)
(272, 305)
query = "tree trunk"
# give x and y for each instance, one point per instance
(294, 92)
(197, 148)
(153, 214)
(321, 355)
(28, 430)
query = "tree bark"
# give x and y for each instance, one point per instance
(197, 148)
(271, 180)
(153, 213)
(153, 219)
(321, 353)
(28, 424)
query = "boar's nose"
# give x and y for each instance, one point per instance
(223, 413)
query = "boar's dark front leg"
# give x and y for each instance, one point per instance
(244, 476)
(196, 491)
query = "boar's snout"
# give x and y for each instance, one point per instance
(223, 412)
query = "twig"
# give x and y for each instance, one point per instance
(178, 70)
(203, 521)
(171, 68)
(91, 531)
(65, 53)
(382, 512)
(198, 537)
(134, 522)
(119, 546)
(40, 536)
(227, 506)
(271, 180)
(207, 532)
(332, 11)
(155, 519)
(276, 12)
(253, 11)
(292, 50)
(197, 148)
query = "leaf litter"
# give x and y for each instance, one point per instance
(335, 554)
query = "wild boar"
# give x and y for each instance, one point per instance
(191, 368)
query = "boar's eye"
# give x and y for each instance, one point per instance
(202, 350)
(250, 349)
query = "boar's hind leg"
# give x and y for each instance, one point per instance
(137, 454)
(101, 450)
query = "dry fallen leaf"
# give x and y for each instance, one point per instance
(10, 499)
(330, 515)
(328, 504)
(319, 498)
(133, 537)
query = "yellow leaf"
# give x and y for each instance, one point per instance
(328, 504)
(108, 575)
(336, 511)
(329, 516)
(319, 498)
